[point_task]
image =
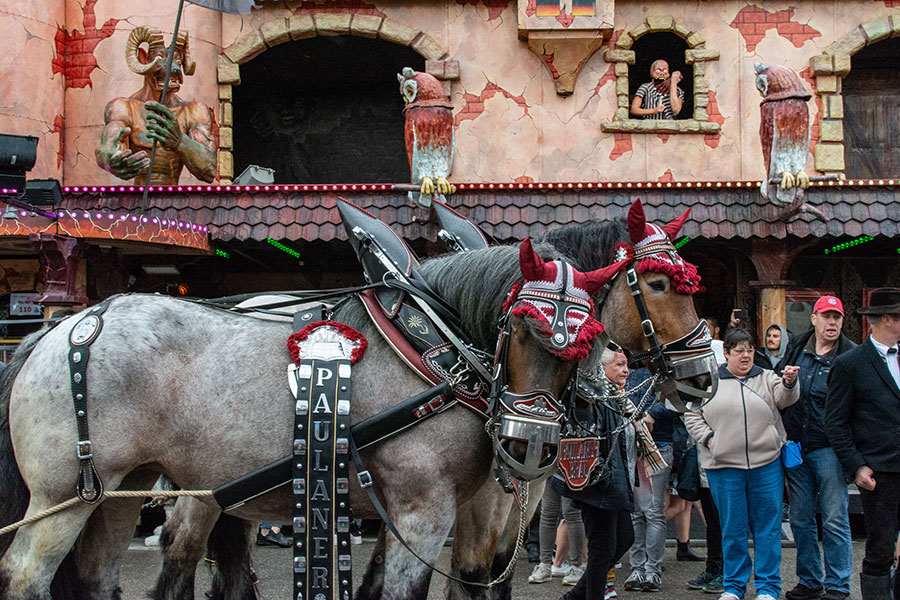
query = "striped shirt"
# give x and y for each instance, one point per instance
(651, 98)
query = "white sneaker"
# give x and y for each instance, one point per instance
(561, 570)
(574, 574)
(765, 597)
(541, 573)
(634, 581)
(730, 596)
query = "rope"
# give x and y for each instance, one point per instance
(113, 494)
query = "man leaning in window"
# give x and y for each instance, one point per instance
(660, 98)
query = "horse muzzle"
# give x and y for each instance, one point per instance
(526, 434)
(690, 383)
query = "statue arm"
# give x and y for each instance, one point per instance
(198, 146)
(189, 136)
(114, 153)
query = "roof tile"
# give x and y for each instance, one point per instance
(716, 212)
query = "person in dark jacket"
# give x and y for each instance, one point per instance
(606, 505)
(818, 480)
(774, 348)
(862, 418)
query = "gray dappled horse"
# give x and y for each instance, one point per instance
(191, 391)
(485, 532)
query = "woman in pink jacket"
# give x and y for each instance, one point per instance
(740, 435)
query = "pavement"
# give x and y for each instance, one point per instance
(273, 566)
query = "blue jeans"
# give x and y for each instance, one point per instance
(750, 499)
(821, 477)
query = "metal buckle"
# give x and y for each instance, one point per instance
(364, 478)
(84, 450)
(631, 277)
(647, 326)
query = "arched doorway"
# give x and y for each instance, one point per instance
(324, 110)
(872, 112)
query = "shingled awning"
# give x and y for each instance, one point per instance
(723, 210)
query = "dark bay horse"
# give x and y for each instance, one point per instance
(191, 391)
(484, 537)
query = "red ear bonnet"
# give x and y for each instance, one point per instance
(675, 226)
(637, 222)
(558, 298)
(533, 266)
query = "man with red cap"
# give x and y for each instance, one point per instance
(819, 480)
(862, 417)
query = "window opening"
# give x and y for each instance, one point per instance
(670, 48)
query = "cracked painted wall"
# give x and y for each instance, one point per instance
(61, 61)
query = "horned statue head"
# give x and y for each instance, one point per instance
(149, 61)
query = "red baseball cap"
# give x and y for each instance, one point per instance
(826, 303)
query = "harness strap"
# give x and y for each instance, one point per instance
(89, 486)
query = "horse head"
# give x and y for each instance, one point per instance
(549, 328)
(650, 311)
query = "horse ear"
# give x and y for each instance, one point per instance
(531, 265)
(595, 280)
(675, 226)
(636, 222)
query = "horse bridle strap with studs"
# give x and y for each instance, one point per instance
(89, 486)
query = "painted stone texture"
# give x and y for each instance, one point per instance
(509, 121)
(31, 93)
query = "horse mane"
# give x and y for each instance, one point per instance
(476, 284)
(587, 246)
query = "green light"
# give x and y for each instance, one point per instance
(283, 248)
(222, 253)
(682, 242)
(860, 240)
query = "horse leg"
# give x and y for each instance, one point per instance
(424, 522)
(28, 567)
(373, 581)
(487, 528)
(183, 542)
(105, 539)
(229, 546)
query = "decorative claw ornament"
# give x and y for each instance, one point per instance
(429, 134)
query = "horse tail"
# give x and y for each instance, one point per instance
(229, 547)
(14, 495)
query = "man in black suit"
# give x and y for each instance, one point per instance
(862, 419)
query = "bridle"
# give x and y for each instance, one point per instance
(685, 357)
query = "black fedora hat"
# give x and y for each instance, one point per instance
(883, 301)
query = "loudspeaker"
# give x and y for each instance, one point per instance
(43, 192)
(18, 153)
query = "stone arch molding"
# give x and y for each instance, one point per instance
(298, 27)
(829, 69)
(697, 54)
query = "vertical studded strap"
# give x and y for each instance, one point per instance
(89, 486)
(321, 485)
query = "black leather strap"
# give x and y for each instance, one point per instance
(89, 485)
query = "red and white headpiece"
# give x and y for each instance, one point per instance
(559, 295)
(652, 250)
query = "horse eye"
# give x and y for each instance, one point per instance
(658, 285)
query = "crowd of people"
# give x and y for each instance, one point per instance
(791, 423)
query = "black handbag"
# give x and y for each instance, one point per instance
(687, 479)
